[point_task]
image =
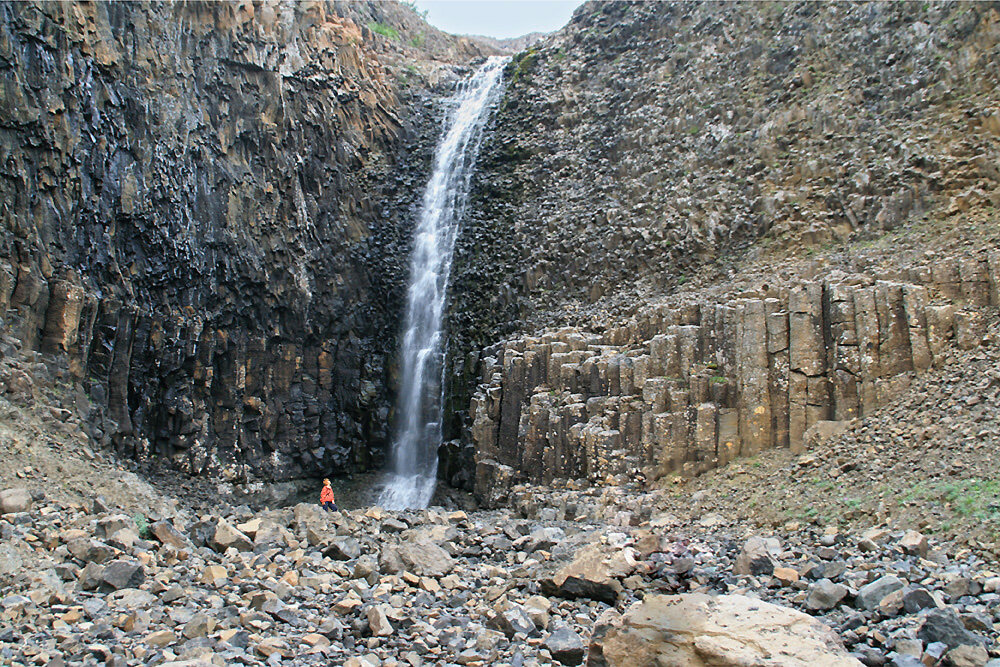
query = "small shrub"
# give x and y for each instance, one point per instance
(384, 30)
(141, 525)
(524, 63)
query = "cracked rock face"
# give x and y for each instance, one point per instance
(206, 209)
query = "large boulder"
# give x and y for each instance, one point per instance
(756, 556)
(119, 574)
(696, 630)
(824, 594)
(945, 626)
(108, 526)
(343, 548)
(594, 574)
(309, 514)
(226, 535)
(565, 646)
(14, 500)
(90, 550)
(166, 533)
(514, 620)
(422, 558)
(870, 595)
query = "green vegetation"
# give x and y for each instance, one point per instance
(718, 379)
(141, 525)
(418, 40)
(823, 483)
(523, 63)
(976, 498)
(384, 30)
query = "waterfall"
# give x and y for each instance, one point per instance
(419, 413)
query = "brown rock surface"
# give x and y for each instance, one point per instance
(696, 630)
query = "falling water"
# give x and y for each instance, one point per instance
(413, 463)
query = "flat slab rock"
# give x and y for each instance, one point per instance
(697, 630)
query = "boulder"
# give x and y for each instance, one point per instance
(91, 576)
(514, 620)
(918, 598)
(538, 608)
(307, 514)
(214, 575)
(593, 574)
(696, 630)
(422, 558)
(824, 594)
(165, 532)
(378, 622)
(914, 543)
(967, 655)
(90, 551)
(871, 594)
(343, 548)
(119, 574)
(200, 625)
(10, 559)
(755, 557)
(108, 526)
(14, 500)
(161, 638)
(226, 535)
(271, 533)
(201, 532)
(945, 626)
(565, 646)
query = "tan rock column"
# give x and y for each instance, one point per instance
(777, 351)
(754, 398)
(806, 358)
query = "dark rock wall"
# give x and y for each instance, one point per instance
(646, 140)
(205, 205)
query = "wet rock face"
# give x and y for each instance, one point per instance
(205, 207)
(648, 138)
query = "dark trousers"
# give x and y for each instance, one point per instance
(330, 507)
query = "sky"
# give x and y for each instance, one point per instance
(498, 18)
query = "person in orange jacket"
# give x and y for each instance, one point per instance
(326, 497)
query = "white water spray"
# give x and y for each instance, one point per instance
(414, 457)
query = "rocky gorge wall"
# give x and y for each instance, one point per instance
(690, 384)
(205, 208)
(646, 141)
(649, 144)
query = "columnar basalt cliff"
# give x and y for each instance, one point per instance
(692, 383)
(648, 143)
(205, 207)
